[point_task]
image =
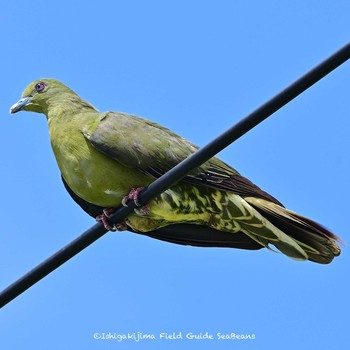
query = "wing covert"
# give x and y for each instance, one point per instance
(153, 149)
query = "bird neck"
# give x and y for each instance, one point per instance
(67, 104)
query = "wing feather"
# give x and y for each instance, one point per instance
(153, 149)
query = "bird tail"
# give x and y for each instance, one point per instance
(308, 238)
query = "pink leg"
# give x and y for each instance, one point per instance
(134, 195)
(104, 218)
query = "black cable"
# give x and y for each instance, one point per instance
(177, 173)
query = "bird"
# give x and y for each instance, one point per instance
(108, 158)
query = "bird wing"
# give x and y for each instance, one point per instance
(153, 149)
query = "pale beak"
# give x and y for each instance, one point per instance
(20, 104)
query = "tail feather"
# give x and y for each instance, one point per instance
(319, 244)
(279, 239)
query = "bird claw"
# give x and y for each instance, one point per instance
(104, 218)
(134, 195)
(145, 210)
(121, 226)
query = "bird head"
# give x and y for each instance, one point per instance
(40, 94)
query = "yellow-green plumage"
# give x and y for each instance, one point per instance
(103, 155)
(91, 174)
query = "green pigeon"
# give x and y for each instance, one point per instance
(107, 158)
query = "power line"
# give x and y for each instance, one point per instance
(177, 173)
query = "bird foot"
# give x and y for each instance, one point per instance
(134, 195)
(104, 218)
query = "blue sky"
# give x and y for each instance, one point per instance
(196, 67)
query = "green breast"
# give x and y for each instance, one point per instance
(89, 173)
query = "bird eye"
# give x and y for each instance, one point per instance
(39, 87)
